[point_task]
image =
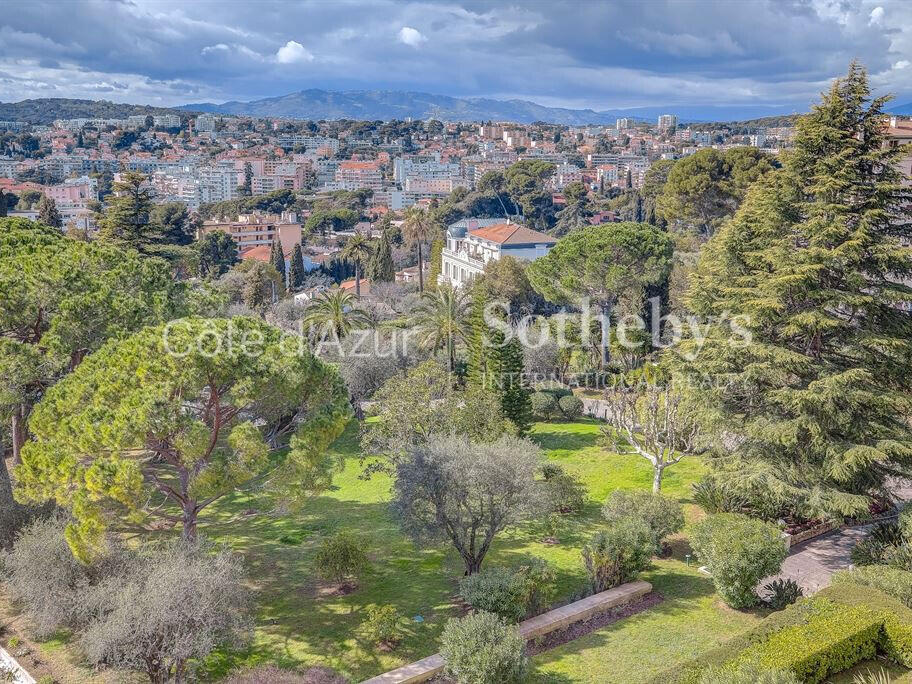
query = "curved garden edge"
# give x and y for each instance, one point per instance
(533, 628)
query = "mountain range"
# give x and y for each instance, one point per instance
(394, 104)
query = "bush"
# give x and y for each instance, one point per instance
(618, 553)
(483, 649)
(511, 593)
(44, 579)
(340, 557)
(781, 593)
(878, 544)
(833, 639)
(899, 557)
(382, 624)
(891, 581)
(571, 406)
(543, 405)
(747, 673)
(880, 676)
(564, 492)
(715, 498)
(738, 551)
(664, 516)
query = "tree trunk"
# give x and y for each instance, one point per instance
(358, 279)
(420, 269)
(657, 479)
(189, 522)
(19, 432)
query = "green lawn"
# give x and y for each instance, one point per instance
(299, 624)
(691, 619)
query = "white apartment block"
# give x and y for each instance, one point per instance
(667, 122)
(472, 243)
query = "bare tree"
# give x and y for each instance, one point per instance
(655, 422)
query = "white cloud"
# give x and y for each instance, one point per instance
(876, 15)
(902, 64)
(293, 52)
(411, 36)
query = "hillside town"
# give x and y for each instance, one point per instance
(296, 392)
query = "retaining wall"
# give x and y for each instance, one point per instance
(559, 618)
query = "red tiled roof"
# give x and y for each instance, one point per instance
(512, 234)
(259, 253)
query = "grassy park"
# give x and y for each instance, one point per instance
(299, 623)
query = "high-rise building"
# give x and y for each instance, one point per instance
(668, 122)
(623, 124)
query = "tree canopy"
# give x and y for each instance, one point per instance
(814, 267)
(157, 426)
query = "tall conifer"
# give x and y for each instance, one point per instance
(813, 413)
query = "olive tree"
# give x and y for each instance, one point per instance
(450, 489)
(151, 429)
(166, 606)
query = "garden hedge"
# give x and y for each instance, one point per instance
(815, 638)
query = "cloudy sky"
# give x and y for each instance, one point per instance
(576, 53)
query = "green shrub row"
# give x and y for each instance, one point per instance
(834, 638)
(818, 636)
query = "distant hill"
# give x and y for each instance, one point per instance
(904, 109)
(394, 104)
(46, 110)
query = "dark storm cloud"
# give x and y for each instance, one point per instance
(574, 52)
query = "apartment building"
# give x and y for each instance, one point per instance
(472, 243)
(256, 230)
(353, 175)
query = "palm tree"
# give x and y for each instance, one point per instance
(417, 229)
(441, 320)
(358, 251)
(335, 309)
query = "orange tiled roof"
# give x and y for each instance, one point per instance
(512, 234)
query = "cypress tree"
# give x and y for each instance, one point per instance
(436, 263)
(277, 258)
(48, 214)
(296, 277)
(381, 268)
(3, 205)
(478, 373)
(815, 407)
(515, 397)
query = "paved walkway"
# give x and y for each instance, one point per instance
(812, 563)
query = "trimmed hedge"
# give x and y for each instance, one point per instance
(816, 637)
(835, 638)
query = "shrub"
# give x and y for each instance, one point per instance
(618, 553)
(747, 673)
(664, 516)
(511, 593)
(715, 498)
(891, 581)
(340, 557)
(899, 557)
(382, 624)
(571, 406)
(880, 676)
(877, 545)
(483, 649)
(781, 593)
(13, 642)
(46, 679)
(564, 492)
(738, 551)
(44, 578)
(543, 405)
(833, 639)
